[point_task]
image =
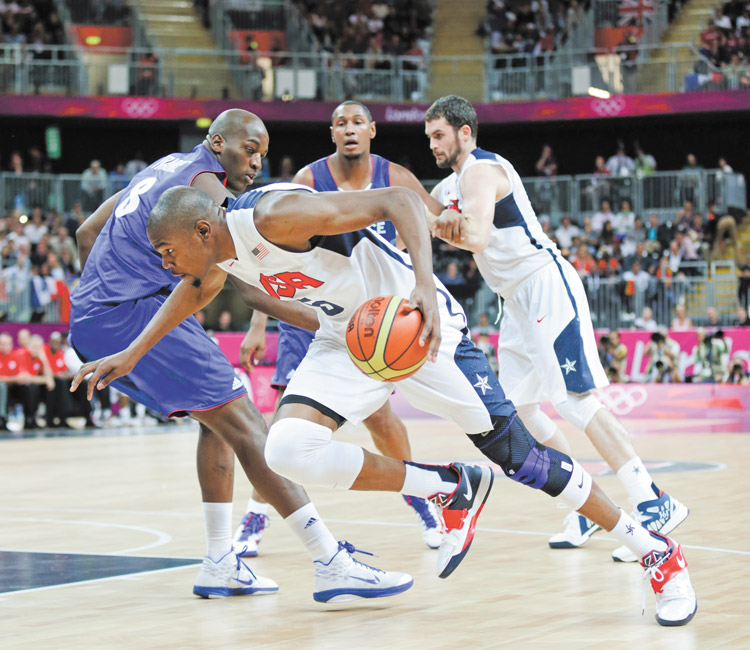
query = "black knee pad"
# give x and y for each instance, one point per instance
(522, 458)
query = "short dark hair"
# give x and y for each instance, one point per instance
(456, 110)
(350, 102)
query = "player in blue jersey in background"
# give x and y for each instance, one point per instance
(123, 285)
(350, 167)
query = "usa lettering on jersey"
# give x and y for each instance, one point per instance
(286, 284)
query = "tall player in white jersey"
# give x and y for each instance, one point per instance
(351, 167)
(316, 247)
(546, 348)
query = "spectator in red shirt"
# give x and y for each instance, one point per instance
(41, 379)
(61, 404)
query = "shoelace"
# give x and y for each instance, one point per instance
(350, 548)
(240, 564)
(255, 523)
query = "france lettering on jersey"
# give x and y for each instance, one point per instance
(335, 277)
(123, 265)
(381, 177)
(518, 246)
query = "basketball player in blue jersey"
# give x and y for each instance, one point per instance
(546, 348)
(317, 247)
(123, 285)
(350, 167)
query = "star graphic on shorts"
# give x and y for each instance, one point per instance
(636, 470)
(569, 366)
(483, 383)
(629, 529)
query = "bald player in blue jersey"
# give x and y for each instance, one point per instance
(123, 285)
(351, 167)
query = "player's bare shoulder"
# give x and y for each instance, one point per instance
(482, 176)
(304, 177)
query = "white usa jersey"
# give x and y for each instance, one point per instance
(336, 276)
(518, 246)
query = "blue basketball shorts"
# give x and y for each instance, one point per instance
(185, 371)
(292, 348)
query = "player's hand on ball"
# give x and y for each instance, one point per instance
(449, 226)
(424, 298)
(104, 371)
(253, 348)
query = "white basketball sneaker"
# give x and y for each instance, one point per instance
(230, 576)
(343, 578)
(429, 520)
(660, 515)
(578, 531)
(667, 571)
(249, 533)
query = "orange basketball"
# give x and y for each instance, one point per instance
(382, 339)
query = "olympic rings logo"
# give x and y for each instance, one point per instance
(136, 107)
(621, 399)
(611, 106)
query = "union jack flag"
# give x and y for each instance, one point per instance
(260, 251)
(635, 12)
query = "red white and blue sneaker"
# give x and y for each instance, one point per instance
(460, 511)
(659, 515)
(248, 534)
(578, 531)
(230, 576)
(667, 571)
(343, 578)
(429, 519)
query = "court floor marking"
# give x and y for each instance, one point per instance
(130, 576)
(162, 535)
(162, 538)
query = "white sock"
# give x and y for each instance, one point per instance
(313, 533)
(636, 479)
(218, 519)
(427, 480)
(258, 507)
(636, 537)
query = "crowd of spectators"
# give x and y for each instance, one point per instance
(528, 27)
(708, 361)
(725, 44)
(378, 27)
(99, 12)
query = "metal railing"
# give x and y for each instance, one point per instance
(660, 193)
(616, 304)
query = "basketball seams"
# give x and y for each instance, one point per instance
(407, 348)
(381, 343)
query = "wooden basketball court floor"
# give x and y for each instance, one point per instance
(86, 522)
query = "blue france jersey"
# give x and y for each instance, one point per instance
(123, 265)
(381, 177)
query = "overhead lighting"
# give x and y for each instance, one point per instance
(93, 40)
(598, 92)
(203, 122)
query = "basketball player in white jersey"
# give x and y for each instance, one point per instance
(350, 167)
(316, 247)
(546, 348)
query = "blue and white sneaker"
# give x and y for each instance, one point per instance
(460, 511)
(429, 520)
(343, 578)
(248, 534)
(578, 531)
(230, 576)
(660, 515)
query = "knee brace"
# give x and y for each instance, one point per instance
(522, 458)
(304, 452)
(537, 422)
(579, 409)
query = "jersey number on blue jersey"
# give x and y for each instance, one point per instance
(130, 202)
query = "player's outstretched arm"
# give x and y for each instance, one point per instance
(402, 177)
(184, 301)
(89, 230)
(291, 219)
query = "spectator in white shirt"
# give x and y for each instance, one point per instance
(566, 232)
(646, 320)
(621, 164)
(36, 228)
(599, 218)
